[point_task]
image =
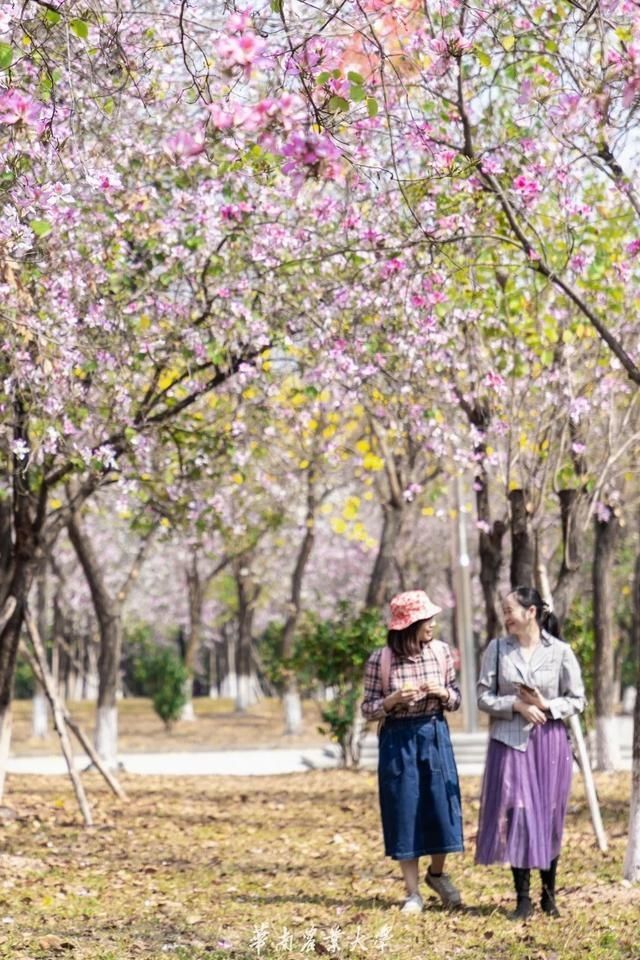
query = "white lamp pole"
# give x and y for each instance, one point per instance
(463, 614)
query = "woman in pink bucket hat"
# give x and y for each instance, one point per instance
(408, 684)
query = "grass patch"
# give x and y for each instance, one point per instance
(218, 727)
(209, 867)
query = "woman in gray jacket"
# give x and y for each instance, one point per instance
(530, 681)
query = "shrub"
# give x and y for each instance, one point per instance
(164, 676)
(335, 652)
(24, 682)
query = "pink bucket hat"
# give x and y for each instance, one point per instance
(408, 607)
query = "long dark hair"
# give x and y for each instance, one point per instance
(545, 617)
(404, 643)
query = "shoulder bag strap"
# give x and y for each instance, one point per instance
(441, 657)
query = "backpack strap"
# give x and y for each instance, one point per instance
(439, 652)
(385, 669)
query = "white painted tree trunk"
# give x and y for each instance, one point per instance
(355, 740)
(91, 684)
(39, 715)
(106, 736)
(247, 694)
(229, 687)
(187, 713)
(607, 746)
(77, 688)
(631, 869)
(292, 712)
(5, 744)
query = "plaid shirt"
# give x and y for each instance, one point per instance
(411, 671)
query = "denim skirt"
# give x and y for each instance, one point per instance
(419, 788)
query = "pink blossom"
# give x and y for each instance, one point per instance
(182, 145)
(370, 235)
(19, 107)
(392, 266)
(494, 381)
(245, 50)
(234, 211)
(578, 408)
(578, 447)
(310, 154)
(528, 187)
(633, 248)
(221, 118)
(20, 449)
(603, 512)
(492, 165)
(412, 491)
(526, 92)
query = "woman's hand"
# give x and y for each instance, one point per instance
(533, 697)
(434, 689)
(406, 695)
(530, 712)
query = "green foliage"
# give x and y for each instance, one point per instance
(275, 667)
(579, 633)
(24, 682)
(166, 677)
(335, 652)
(138, 648)
(80, 28)
(6, 56)
(155, 672)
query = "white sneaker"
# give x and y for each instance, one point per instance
(413, 904)
(445, 889)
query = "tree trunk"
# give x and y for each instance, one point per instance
(490, 555)
(227, 659)
(17, 590)
(213, 670)
(522, 546)
(39, 708)
(378, 590)
(247, 596)
(571, 504)
(109, 615)
(354, 743)
(542, 583)
(606, 535)
(291, 696)
(6, 539)
(490, 534)
(194, 633)
(632, 855)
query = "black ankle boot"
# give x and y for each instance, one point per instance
(521, 881)
(548, 898)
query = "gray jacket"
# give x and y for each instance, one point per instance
(553, 669)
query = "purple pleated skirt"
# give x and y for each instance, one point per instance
(524, 799)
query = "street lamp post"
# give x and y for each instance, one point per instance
(463, 613)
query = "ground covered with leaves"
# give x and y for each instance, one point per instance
(279, 867)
